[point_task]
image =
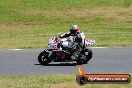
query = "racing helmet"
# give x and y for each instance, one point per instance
(74, 29)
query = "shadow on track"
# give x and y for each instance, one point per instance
(61, 64)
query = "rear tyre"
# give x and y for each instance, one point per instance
(43, 58)
(85, 57)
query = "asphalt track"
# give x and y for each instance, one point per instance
(105, 60)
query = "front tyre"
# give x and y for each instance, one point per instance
(43, 58)
(85, 56)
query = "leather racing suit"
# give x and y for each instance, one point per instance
(70, 41)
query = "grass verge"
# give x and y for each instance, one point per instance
(50, 81)
(30, 23)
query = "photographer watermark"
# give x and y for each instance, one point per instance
(83, 78)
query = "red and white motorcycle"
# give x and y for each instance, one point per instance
(55, 53)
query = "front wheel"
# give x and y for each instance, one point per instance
(85, 56)
(43, 58)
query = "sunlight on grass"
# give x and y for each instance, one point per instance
(51, 81)
(30, 23)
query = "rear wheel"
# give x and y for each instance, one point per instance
(85, 56)
(43, 58)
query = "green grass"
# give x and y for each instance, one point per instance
(50, 81)
(30, 23)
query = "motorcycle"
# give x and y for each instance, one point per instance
(56, 53)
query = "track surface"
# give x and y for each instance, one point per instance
(105, 60)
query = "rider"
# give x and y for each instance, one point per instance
(71, 38)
